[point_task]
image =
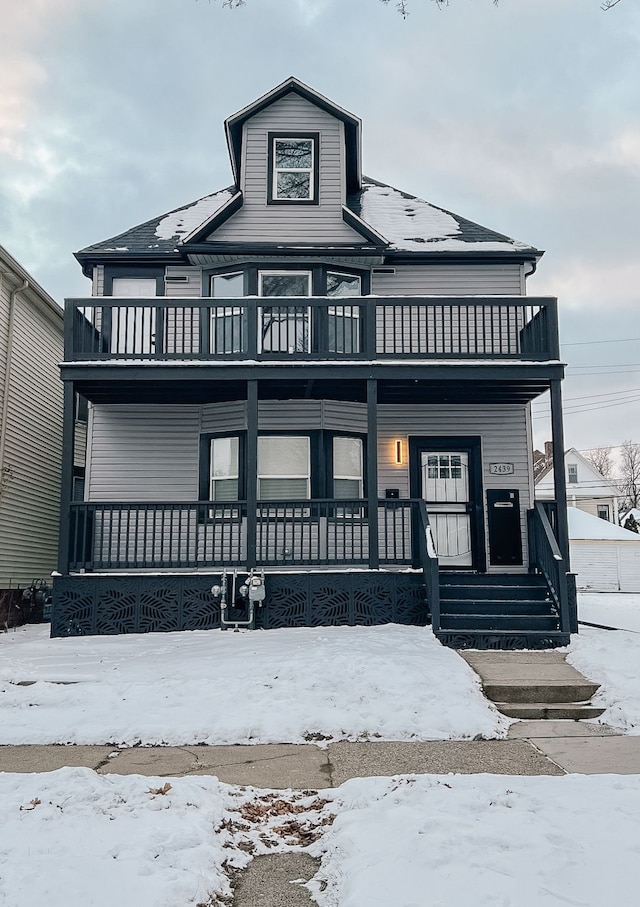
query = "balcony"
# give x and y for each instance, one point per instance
(340, 329)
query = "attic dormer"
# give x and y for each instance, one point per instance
(295, 158)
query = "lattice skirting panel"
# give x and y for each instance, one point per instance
(90, 605)
(508, 641)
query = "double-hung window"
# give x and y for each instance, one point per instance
(284, 468)
(572, 473)
(228, 322)
(224, 477)
(348, 468)
(293, 168)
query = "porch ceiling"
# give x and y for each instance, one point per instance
(390, 391)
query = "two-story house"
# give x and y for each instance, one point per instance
(30, 433)
(313, 375)
(587, 489)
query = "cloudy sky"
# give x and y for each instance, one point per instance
(524, 118)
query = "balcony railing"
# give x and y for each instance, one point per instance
(202, 535)
(319, 328)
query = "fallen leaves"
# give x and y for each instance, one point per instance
(162, 791)
(32, 805)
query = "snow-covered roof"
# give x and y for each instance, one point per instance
(407, 223)
(411, 224)
(586, 526)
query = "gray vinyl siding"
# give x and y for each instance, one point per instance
(97, 284)
(143, 453)
(257, 221)
(181, 289)
(30, 499)
(450, 280)
(503, 434)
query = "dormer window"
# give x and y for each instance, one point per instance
(293, 168)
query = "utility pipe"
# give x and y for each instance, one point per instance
(7, 374)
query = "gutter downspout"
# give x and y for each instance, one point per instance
(7, 374)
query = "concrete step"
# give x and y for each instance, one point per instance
(532, 691)
(549, 710)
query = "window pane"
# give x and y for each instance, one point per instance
(346, 489)
(291, 184)
(293, 154)
(224, 457)
(342, 285)
(284, 329)
(283, 489)
(227, 286)
(347, 457)
(227, 330)
(224, 490)
(285, 284)
(283, 456)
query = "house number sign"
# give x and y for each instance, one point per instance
(501, 469)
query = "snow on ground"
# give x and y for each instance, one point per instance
(486, 840)
(75, 838)
(612, 659)
(216, 687)
(620, 609)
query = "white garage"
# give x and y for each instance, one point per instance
(605, 557)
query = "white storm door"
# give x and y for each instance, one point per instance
(133, 328)
(445, 489)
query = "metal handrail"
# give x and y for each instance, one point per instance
(545, 556)
(429, 564)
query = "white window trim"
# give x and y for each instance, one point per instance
(310, 170)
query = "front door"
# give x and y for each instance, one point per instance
(446, 475)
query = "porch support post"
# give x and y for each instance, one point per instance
(559, 480)
(372, 470)
(66, 483)
(252, 471)
(568, 601)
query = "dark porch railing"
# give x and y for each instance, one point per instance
(546, 558)
(169, 535)
(317, 328)
(429, 563)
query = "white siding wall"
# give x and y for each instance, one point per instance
(450, 280)
(257, 221)
(606, 565)
(30, 500)
(503, 434)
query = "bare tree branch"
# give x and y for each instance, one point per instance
(630, 473)
(600, 458)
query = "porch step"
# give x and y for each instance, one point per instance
(534, 685)
(502, 610)
(554, 711)
(519, 692)
(491, 606)
(448, 578)
(506, 640)
(493, 591)
(513, 622)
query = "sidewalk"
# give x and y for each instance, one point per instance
(533, 748)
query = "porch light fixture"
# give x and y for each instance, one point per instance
(398, 444)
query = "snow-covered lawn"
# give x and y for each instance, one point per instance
(615, 609)
(75, 838)
(216, 687)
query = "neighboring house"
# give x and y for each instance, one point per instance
(317, 375)
(605, 557)
(625, 519)
(30, 427)
(587, 489)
